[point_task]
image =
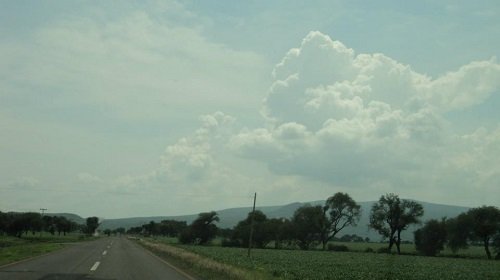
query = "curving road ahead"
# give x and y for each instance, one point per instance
(103, 259)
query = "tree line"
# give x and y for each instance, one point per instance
(17, 224)
(169, 228)
(479, 226)
(313, 225)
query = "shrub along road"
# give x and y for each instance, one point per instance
(105, 258)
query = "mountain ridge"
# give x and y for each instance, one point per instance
(231, 216)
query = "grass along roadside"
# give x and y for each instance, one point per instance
(13, 249)
(17, 253)
(198, 265)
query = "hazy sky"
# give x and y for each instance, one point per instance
(117, 109)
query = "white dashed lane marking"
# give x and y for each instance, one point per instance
(104, 253)
(95, 266)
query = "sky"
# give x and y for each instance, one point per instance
(157, 108)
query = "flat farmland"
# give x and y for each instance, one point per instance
(295, 264)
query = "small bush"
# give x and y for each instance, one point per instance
(337, 248)
(369, 250)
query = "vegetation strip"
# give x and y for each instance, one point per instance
(210, 268)
(18, 254)
(15, 249)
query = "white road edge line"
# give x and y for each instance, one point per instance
(95, 266)
(104, 253)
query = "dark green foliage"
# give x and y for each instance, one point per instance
(458, 231)
(480, 224)
(351, 238)
(281, 230)
(186, 236)
(171, 228)
(485, 225)
(369, 250)
(307, 224)
(15, 224)
(91, 225)
(151, 228)
(202, 230)
(391, 215)
(340, 210)
(337, 248)
(264, 231)
(62, 225)
(261, 231)
(135, 230)
(430, 239)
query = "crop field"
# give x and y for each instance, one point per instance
(296, 264)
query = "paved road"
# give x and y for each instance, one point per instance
(103, 259)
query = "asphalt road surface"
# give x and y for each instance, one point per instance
(103, 259)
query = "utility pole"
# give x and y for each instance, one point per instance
(251, 225)
(43, 211)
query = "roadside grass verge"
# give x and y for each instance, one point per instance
(13, 249)
(19, 252)
(198, 265)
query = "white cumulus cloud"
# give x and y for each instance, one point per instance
(365, 120)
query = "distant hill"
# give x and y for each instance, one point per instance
(230, 217)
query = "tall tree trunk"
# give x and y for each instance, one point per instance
(398, 242)
(391, 241)
(487, 247)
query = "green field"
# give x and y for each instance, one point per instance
(297, 264)
(13, 249)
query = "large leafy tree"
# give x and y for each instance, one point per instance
(307, 224)
(391, 215)
(261, 232)
(91, 225)
(458, 231)
(485, 225)
(280, 230)
(201, 230)
(242, 230)
(340, 210)
(430, 239)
